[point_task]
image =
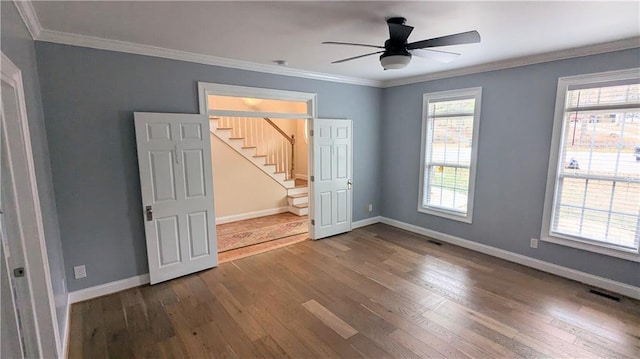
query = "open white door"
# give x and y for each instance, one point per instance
(331, 178)
(27, 315)
(174, 157)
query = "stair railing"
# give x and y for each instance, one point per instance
(268, 139)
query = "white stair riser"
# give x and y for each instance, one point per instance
(297, 200)
(289, 184)
(299, 211)
(297, 190)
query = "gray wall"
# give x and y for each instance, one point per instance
(513, 154)
(89, 97)
(19, 47)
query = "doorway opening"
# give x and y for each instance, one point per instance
(260, 181)
(260, 154)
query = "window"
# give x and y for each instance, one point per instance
(450, 122)
(593, 186)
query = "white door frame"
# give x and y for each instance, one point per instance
(205, 89)
(37, 270)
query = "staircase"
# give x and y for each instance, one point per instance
(269, 148)
(298, 199)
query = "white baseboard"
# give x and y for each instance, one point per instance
(365, 222)
(586, 278)
(249, 215)
(65, 331)
(301, 176)
(107, 288)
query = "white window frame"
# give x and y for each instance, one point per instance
(476, 93)
(547, 234)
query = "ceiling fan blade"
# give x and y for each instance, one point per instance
(399, 33)
(356, 57)
(435, 55)
(351, 44)
(468, 37)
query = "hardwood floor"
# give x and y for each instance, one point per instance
(234, 254)
(377, 292)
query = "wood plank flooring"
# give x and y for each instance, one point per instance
(377, 292)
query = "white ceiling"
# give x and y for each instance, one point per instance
(263, 31)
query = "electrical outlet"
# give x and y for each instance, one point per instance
(80, 271)
(534, 243)
(370, 207)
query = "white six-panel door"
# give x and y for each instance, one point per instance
(174, 157)
(332, 171)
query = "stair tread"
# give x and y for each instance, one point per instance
(256, 156)
(224, 128)
(302, 205)
(269, 164)
(248, 147)
(236, 138)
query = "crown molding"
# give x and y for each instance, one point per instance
(29, 17)
(146, 50)
(618, 45)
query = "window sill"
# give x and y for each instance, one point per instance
(604, 249)
(466, 218)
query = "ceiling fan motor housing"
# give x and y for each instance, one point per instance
(395, 55)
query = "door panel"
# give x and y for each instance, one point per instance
(158, 132)
(193, 173)
(198, 236)
(169, 240)
(162, 179)
(177, 184)
(332, 171)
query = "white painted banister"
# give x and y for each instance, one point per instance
(266, 137)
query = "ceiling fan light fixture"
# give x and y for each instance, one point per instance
(394, 62)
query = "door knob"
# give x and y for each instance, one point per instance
(149, 212)
(349, 184)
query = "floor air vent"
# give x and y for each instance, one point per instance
(605, 295)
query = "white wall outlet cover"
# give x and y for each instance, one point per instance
(370, 207)
(534, 243)
(80, 271)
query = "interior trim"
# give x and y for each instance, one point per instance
(582, 277)
(35, 250)
(586, 278)
(249, 215)
(66, 331)
(147, 50)
(107, 288)
(29, 17)
(366, 222)
(601, 48)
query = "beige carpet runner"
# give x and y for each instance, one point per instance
(231, 241)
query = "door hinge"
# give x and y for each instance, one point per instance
(310, 133)
(313, 222)
(313, 178)
(18, 272)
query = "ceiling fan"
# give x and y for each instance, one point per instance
(396, 52)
